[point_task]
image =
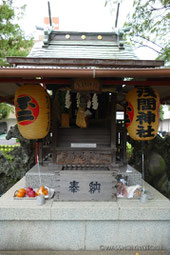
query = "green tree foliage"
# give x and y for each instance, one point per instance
(149, 26)
(5, 110)
(13, 41)
(161, 113)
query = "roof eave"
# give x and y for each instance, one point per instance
(86, 73)
(84, 62)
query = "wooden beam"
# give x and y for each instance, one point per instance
(165, 100)
(113, 127)
(84, 62)
(139, 73)
(157, 82)
(109, 82)
(9, 100)
(36, 81)
(124, 139)
(54, 126)
(40, 149)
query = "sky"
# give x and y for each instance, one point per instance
(77, 15)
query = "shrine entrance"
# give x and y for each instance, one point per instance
(86, 144)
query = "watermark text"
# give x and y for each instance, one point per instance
(129, 248)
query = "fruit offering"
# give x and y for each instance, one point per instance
(21, 193)
(42, 191)
(30, 192)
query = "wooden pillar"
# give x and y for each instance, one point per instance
(41, 152)
(124, 136)
(113, 128)
(54, 122)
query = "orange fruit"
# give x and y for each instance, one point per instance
(45, 192)
(20, 194)
(41, 188)
(42, 191)
(22, 190)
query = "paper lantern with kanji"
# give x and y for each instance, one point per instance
(142, 113)
(32, 106)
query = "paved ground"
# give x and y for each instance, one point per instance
(84, 253)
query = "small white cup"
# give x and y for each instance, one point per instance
(144, 198)
(40, 200)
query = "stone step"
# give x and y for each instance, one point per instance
(151, 252)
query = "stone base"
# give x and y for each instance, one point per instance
(43, 175)
(49, 178)
(153, 252)
(133, 176)
(99, 226)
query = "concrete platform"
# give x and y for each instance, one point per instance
(88, 226)
(49, 177)
(84, 253)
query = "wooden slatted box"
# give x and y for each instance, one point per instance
(85, 185)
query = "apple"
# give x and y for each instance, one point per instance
(28, 190)
(31, 193)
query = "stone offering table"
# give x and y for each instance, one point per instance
(84, 225)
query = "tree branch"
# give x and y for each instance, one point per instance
(158, 9)
(145, 45)
(149, 41)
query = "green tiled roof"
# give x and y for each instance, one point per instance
(57, 46)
